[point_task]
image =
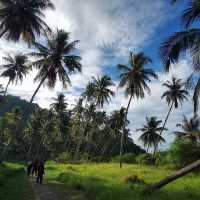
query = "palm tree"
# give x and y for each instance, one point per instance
(114, 128)
(171, 50)
(60, 108)
(59, 104)
(150, 133)
(15, 69)
(77, 126)
(174, 95)
(55, 61)
(88, 94)
(23, 19)
(183, 41)
(190, 129)
(134, 78)
(101, 91)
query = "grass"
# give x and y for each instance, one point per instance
(13, 183)
(108, 182)
(98, 182)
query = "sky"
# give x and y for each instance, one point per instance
(108, 31)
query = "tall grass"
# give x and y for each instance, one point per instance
(13, 183)
(108, 182)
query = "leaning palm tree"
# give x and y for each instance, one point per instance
(134, 78)
(150, 133)
(190, 129)
(23, 19)
(186, 40)
(55, 61)
(174, 96)
(102, 93)
(15, 69)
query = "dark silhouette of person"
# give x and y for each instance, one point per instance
(35, 168)
(40, 173)
(29, 168)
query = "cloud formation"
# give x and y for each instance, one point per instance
(107, 30)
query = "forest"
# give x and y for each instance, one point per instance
(89, 152)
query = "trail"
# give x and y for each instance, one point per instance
(44, 191)
(48, 191)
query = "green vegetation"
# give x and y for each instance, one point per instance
(13, 183)
(108, 181)
(85, 132)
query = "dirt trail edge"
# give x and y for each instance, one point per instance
(44, 191)
(53, 191)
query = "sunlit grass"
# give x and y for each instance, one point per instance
(13, 183)
(107, 181)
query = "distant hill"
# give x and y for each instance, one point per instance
(14, 101)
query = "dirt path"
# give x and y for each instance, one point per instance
(48, 191)
(44, 192)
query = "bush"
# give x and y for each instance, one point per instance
(133, 179)
(183, 152)
(128, 158)
(163, 158)
(64, 158)
(144, 159)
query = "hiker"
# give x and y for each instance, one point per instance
(29, 168)
(35, 168)
(40, 173)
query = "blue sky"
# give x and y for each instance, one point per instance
(107, 31)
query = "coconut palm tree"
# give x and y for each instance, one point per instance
(114, 128)
(134, 79)
(59, 104)
(60, 108)
(23, 19)
(88, 94)
(190, 129)
(55, 61)
(77, 126)
(101, 91)
(171, 49)
(174, 96)
(186, 40)
(150, 133)
(15, 69)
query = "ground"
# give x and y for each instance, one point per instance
(98, 182)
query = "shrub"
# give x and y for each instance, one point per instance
(133, 179)
(128, 158)
(64, 158)
(163, 158)
(183, 152)
(144, 159)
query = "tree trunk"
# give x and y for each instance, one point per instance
(148, 148)
(78, 146)
(167, 117)
(5, 149)
(33, 96)
(123, 131)
(5, 92)
(174, 176)
(24, 118)
(1, 34)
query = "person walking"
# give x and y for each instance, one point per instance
(35, 168)
(40, 173)
(29, 168)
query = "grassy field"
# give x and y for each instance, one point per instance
(13, 183)
(108, 182)
(98, 182)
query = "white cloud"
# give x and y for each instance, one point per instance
(152, 105)
(107, 30)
